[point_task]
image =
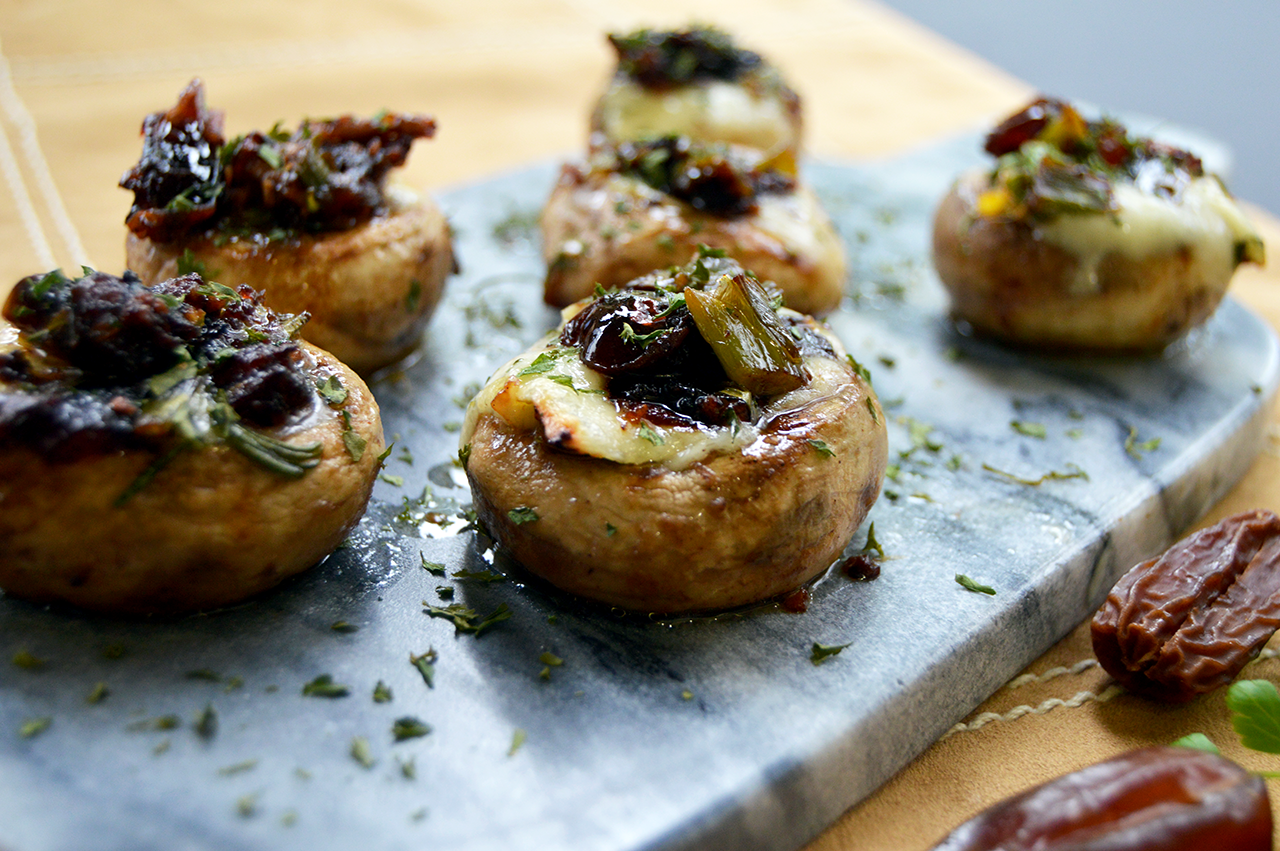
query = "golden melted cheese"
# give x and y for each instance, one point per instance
(568, 405)
(712, 112)
(1204, 219)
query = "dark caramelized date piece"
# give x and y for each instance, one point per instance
(1187, 622)
(1151, 799)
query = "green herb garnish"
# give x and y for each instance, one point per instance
(34, 726)
(409, 727)
(361, 752)
(1029, 429)
(522, 515)
(973, 585)
(650, 434)
(466, 619)
(426, 665)
(822, 652)
(324, 686)
(822, 448)
(381, 693)
(1136, 448)
(518, 738)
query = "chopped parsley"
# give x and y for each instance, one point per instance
(822, 652)
(409, 727)
(822, 448)
(324, 686)
(425, 663)
(33, 727)
(1029, 429)
(522, 514)
(361, 752)
(1136, 448)
(973, 585)
(465, 619)
(381, 693)
(650, 434)
(518, 738)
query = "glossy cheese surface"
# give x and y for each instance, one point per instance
(1204, 219)
(568, 404)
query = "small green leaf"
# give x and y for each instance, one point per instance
(1136, 448)
(435, 568)
(822, 449)
(238, 768)
(1029, 429)
(355, 444)
(98, 693)
(973, 585)
(465, 619)
(33, 727)
(1198, 742)
(1255, 714)
(381, 693)
(518, 738)
(409, 727)
(872, 545)
(343, 626)
(822, 652)
(426, 665)
(206, 723)
(522, 514)
(324, 686)
(361, 752)
(27, 660)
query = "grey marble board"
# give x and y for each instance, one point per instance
(650, 734)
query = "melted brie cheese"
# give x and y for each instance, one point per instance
(1204, 219)
(567, 403)
(713, 112)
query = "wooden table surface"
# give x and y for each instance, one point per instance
(509, 84)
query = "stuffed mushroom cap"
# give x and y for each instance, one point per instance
(1083, 238)
(696, 82)
(172, 448)
(662, 454)
(637, 207)
(311, 218)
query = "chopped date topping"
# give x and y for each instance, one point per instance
(324, 176)
(106, 363)
(693, 344)
(708, 178)
(661, 59)
(1051, 160)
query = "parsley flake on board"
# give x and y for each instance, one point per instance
(1029, 429)
(435, 568)
(361, 752)
(1135, 448)
(518, 738)
(343, 626)
(324, 686)
(27, 660)
(822, 652)
(426, 665)
(409, 727)
(381, 693)
(973, 585)
(466, 619)
(98, 693)
(872, 545)
(33, 727)
(206, 723)
(1072, 472)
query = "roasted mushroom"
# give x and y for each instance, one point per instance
(640, 206)
(696, 82)
(310, 218)
(171, 448)
(1085, 238)
(680, 445)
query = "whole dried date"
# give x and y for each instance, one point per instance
(1153, 799)
(1187, 622)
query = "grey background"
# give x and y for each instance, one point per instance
(1210, 66)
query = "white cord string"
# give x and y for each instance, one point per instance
(29, 145)
(1079, 699)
